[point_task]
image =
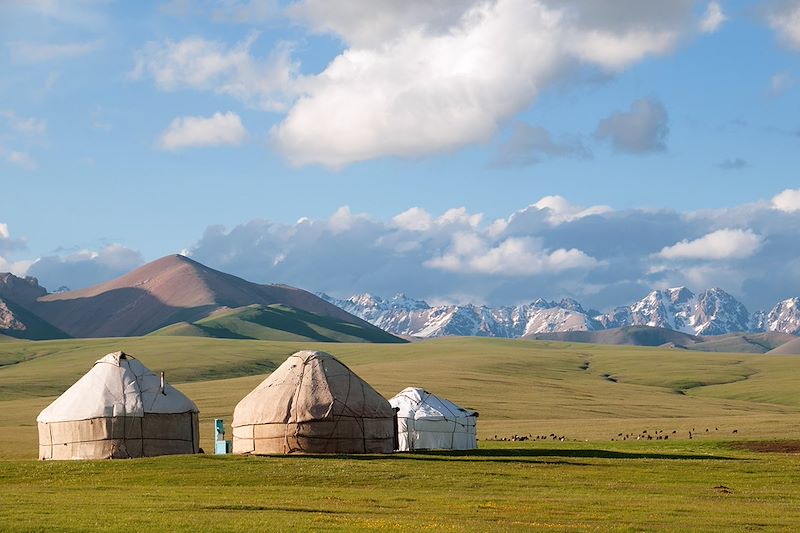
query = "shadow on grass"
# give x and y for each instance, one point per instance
(517, 455)
(558, 452)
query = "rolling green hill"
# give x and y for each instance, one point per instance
(625, 336)
(276, 322)
(591, 395)
(582, 390)
(743, 342)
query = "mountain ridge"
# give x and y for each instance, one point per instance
(169, 290)
(710, 313)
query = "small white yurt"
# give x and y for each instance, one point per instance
(427, 422)
(119, 409)
(313, 403)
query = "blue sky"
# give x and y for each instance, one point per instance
(131, 130)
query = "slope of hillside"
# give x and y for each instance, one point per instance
(744, 342)
(171, 290)
(629, 336)
(278, 323)
(18, 322)
(790, 348)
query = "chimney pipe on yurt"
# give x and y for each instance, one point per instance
(118, 409)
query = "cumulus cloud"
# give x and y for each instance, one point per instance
(713, 18)
(29, 52)
(201, 64)
(642, 129)
(717, 245)
(551, 248)
(788, 201)
(221, 129)
(784, 18)
(413, 219)
(416, 77)
(528, 145)
(559, 209)
(445, 77)
(512, 257)
(85, 268)
(9, 245)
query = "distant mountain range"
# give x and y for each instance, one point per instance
(712, 312)
(178, 293)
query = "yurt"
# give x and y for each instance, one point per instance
(313, 403)
(118, 409)
(427, 422)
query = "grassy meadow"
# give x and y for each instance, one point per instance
(587, 394)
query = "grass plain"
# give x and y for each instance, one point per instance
(587, 393)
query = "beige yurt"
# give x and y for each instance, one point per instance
(428, 422)
(118, 409)
(313, 403)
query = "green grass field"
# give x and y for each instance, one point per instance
(588, 394)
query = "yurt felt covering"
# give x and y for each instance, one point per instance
(313, 403)
(118, 410)
(427, 422)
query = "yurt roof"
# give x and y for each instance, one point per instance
(417, 403)
(117, 385)
(310, 385)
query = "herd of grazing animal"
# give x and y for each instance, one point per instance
(658, 434)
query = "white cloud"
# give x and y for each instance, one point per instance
(559, 209)
(85, 268)
(25, 125)
(19, 159)
(414, 219)
(713, 19)
(9, 245)
(28, 52)
(435, 79)
(720, 244)
(343, 220)
(514, 256)
(221, 129)
(644, 128)
(22, 160)
(785, 20)
(788, 201)
(780, 82)
(197, 63)
(458, 216)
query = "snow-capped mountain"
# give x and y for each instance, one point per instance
(405, 316)
(785, 316)
(712, 312)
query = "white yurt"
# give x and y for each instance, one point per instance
(119, 409)
(313, 403)
(427, 422)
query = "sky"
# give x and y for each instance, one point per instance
(483, 151)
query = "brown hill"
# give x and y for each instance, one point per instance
(790, 348)
(18, 322)
(169, 290)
